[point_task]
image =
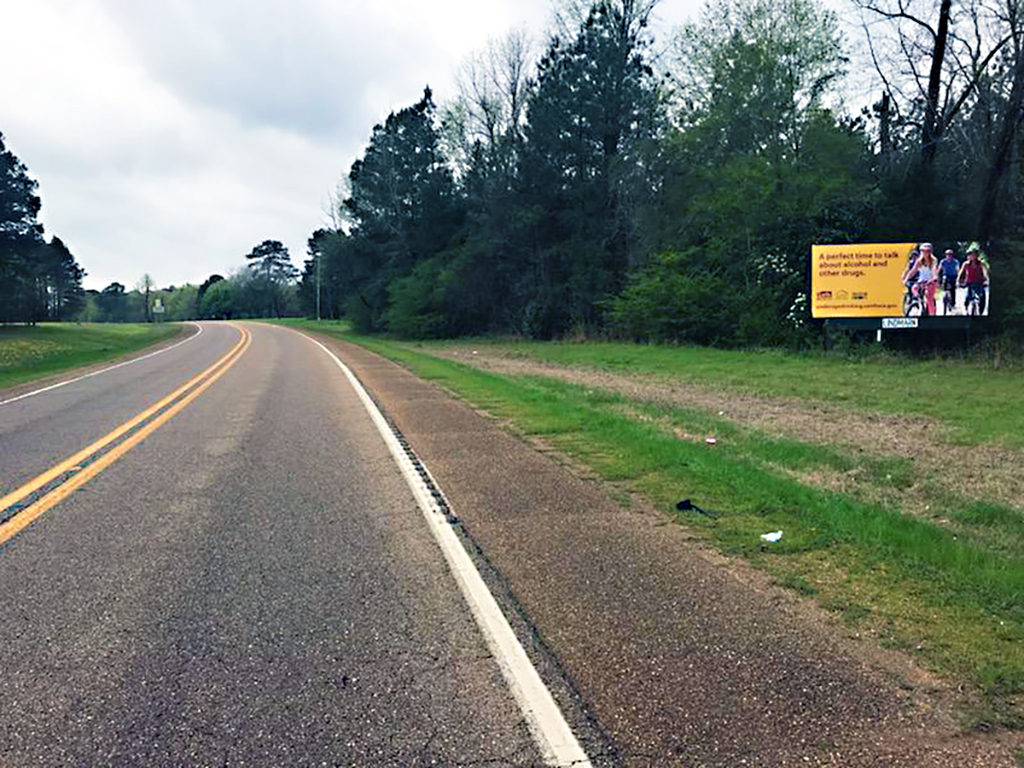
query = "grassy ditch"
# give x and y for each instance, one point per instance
(33, 352)
(951, 594)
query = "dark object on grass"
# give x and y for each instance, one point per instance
(686, 506)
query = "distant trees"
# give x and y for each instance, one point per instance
(218, 302)
(38, 280)
(116, 304)
(270, 273)
(179, 303)
(203, 288)
(263, 287)
(324, 284)
(57, 280)
(113, 304)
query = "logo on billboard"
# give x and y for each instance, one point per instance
(824, 295)
(896, 323)
(859, 296)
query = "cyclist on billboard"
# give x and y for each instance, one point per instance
(949, 271)
(926, 272)
(909, 282)
(974, 274)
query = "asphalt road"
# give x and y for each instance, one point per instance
(252, 584)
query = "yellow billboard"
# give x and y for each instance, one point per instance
(859, 280)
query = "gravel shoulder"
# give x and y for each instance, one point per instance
(681, 656)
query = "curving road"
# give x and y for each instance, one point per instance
(251, 584)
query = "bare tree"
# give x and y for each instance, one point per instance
(571, 15)
(954, 69)
(145, 287)
(931, 60)
(493, 84)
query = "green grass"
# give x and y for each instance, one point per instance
(950, 594)
(28, 353)
(974, 401)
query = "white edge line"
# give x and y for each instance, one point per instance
(105, 370)
(550, 730)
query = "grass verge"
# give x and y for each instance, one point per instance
(950, 595)
(970, 398)
(34, 352)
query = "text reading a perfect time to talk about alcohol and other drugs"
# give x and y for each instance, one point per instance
(853, 264)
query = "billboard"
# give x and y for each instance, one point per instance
(895, 280)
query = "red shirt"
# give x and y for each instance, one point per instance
(974, 272)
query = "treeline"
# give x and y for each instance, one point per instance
(608, 190)
(39, 280)
(264, 287)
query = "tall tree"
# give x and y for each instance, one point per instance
(145, 288)
(20, 236)
(595, 104)
(402, 202)
(113, 304)
(62, 281)
(271, 267)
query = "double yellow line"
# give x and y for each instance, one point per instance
(90, 461)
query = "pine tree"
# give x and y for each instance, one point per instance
(595, 104)
(20, 236)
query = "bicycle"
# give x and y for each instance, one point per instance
(913, 302)
(975, 296)
(948, 297)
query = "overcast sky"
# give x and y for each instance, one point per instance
(172, 137)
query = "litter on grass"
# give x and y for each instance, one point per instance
(687, 506)
(772, 537)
